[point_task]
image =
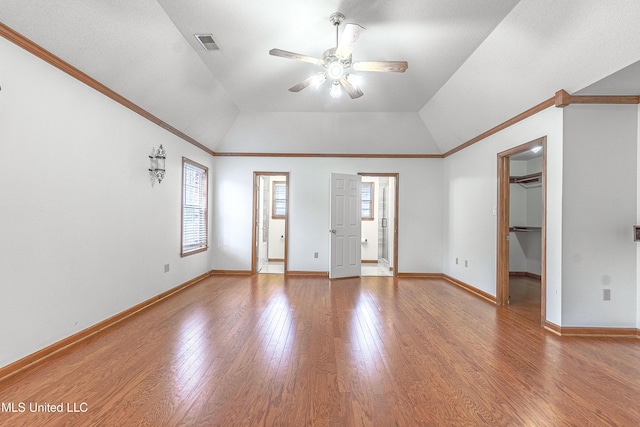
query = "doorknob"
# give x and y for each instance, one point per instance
(333, 231)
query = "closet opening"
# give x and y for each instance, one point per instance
(521, 272)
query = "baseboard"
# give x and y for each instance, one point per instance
(552, 327)
(369, 261)
(231, 272)
(276, 259)
(66, 343)
(324, 274)
(420, 275)
(469, 288)
(591, 331)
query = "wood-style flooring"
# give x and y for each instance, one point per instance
(266, 350)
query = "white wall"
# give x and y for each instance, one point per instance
(420, 221)
(511, 70)
(84, 234)
(304, 132)
(517, 216)
(600, 208)
(370, 228)
(470, 179)
(525, 248)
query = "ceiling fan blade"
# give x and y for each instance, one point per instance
(308, 82)
(296, 56)
(353, 91)
(383, 66)
(350, 37)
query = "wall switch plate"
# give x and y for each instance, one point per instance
(606, 294)
(315, 254)
(466, 263)
(166, 268)
(456, 261)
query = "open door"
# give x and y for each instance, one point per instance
(270, 222)
(503, 224)
(344, 249)
(380, 232)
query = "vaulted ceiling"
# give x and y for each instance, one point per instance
(472, 65)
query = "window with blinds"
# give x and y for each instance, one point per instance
(279, 200)
(194, 208)
(366, 195)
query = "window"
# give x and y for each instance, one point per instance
(366, 211)
(279, 200)
(194, 207)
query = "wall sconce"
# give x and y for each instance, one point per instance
(157, 158)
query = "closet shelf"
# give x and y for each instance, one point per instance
(524, 229)
(527, 181)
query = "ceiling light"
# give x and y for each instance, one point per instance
(335, 70)
(318, 80)
(354, 79)
(335, 92)
(536, 149)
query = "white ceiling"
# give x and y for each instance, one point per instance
(146, 51)
(434, 36)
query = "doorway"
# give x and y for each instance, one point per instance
(521, 270)
(270, 222)
(379, 238)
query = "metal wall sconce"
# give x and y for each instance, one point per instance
(157, 158)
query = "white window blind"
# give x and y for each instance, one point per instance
(194, 207)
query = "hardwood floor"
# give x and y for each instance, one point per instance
(269, 350)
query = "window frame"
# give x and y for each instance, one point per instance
(371, 185)
(273, 200)
(204, 205)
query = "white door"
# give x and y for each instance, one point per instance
(345, 226)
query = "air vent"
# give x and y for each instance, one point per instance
(207, 42)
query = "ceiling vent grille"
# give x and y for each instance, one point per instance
(207, 42)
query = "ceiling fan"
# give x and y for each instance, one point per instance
(337, 62)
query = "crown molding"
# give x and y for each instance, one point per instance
(40, 52)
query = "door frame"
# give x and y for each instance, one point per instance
(256, 205)
(396, 215)
(502, 269)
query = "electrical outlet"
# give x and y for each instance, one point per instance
(166, 268)
(315, 254)
(606, 294)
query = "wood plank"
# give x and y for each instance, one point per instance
(564, 99)
(292, 351)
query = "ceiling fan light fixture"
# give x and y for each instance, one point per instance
(318, 80)
(335, 91)
(335, 70)
(354, 79)
(337, 60)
